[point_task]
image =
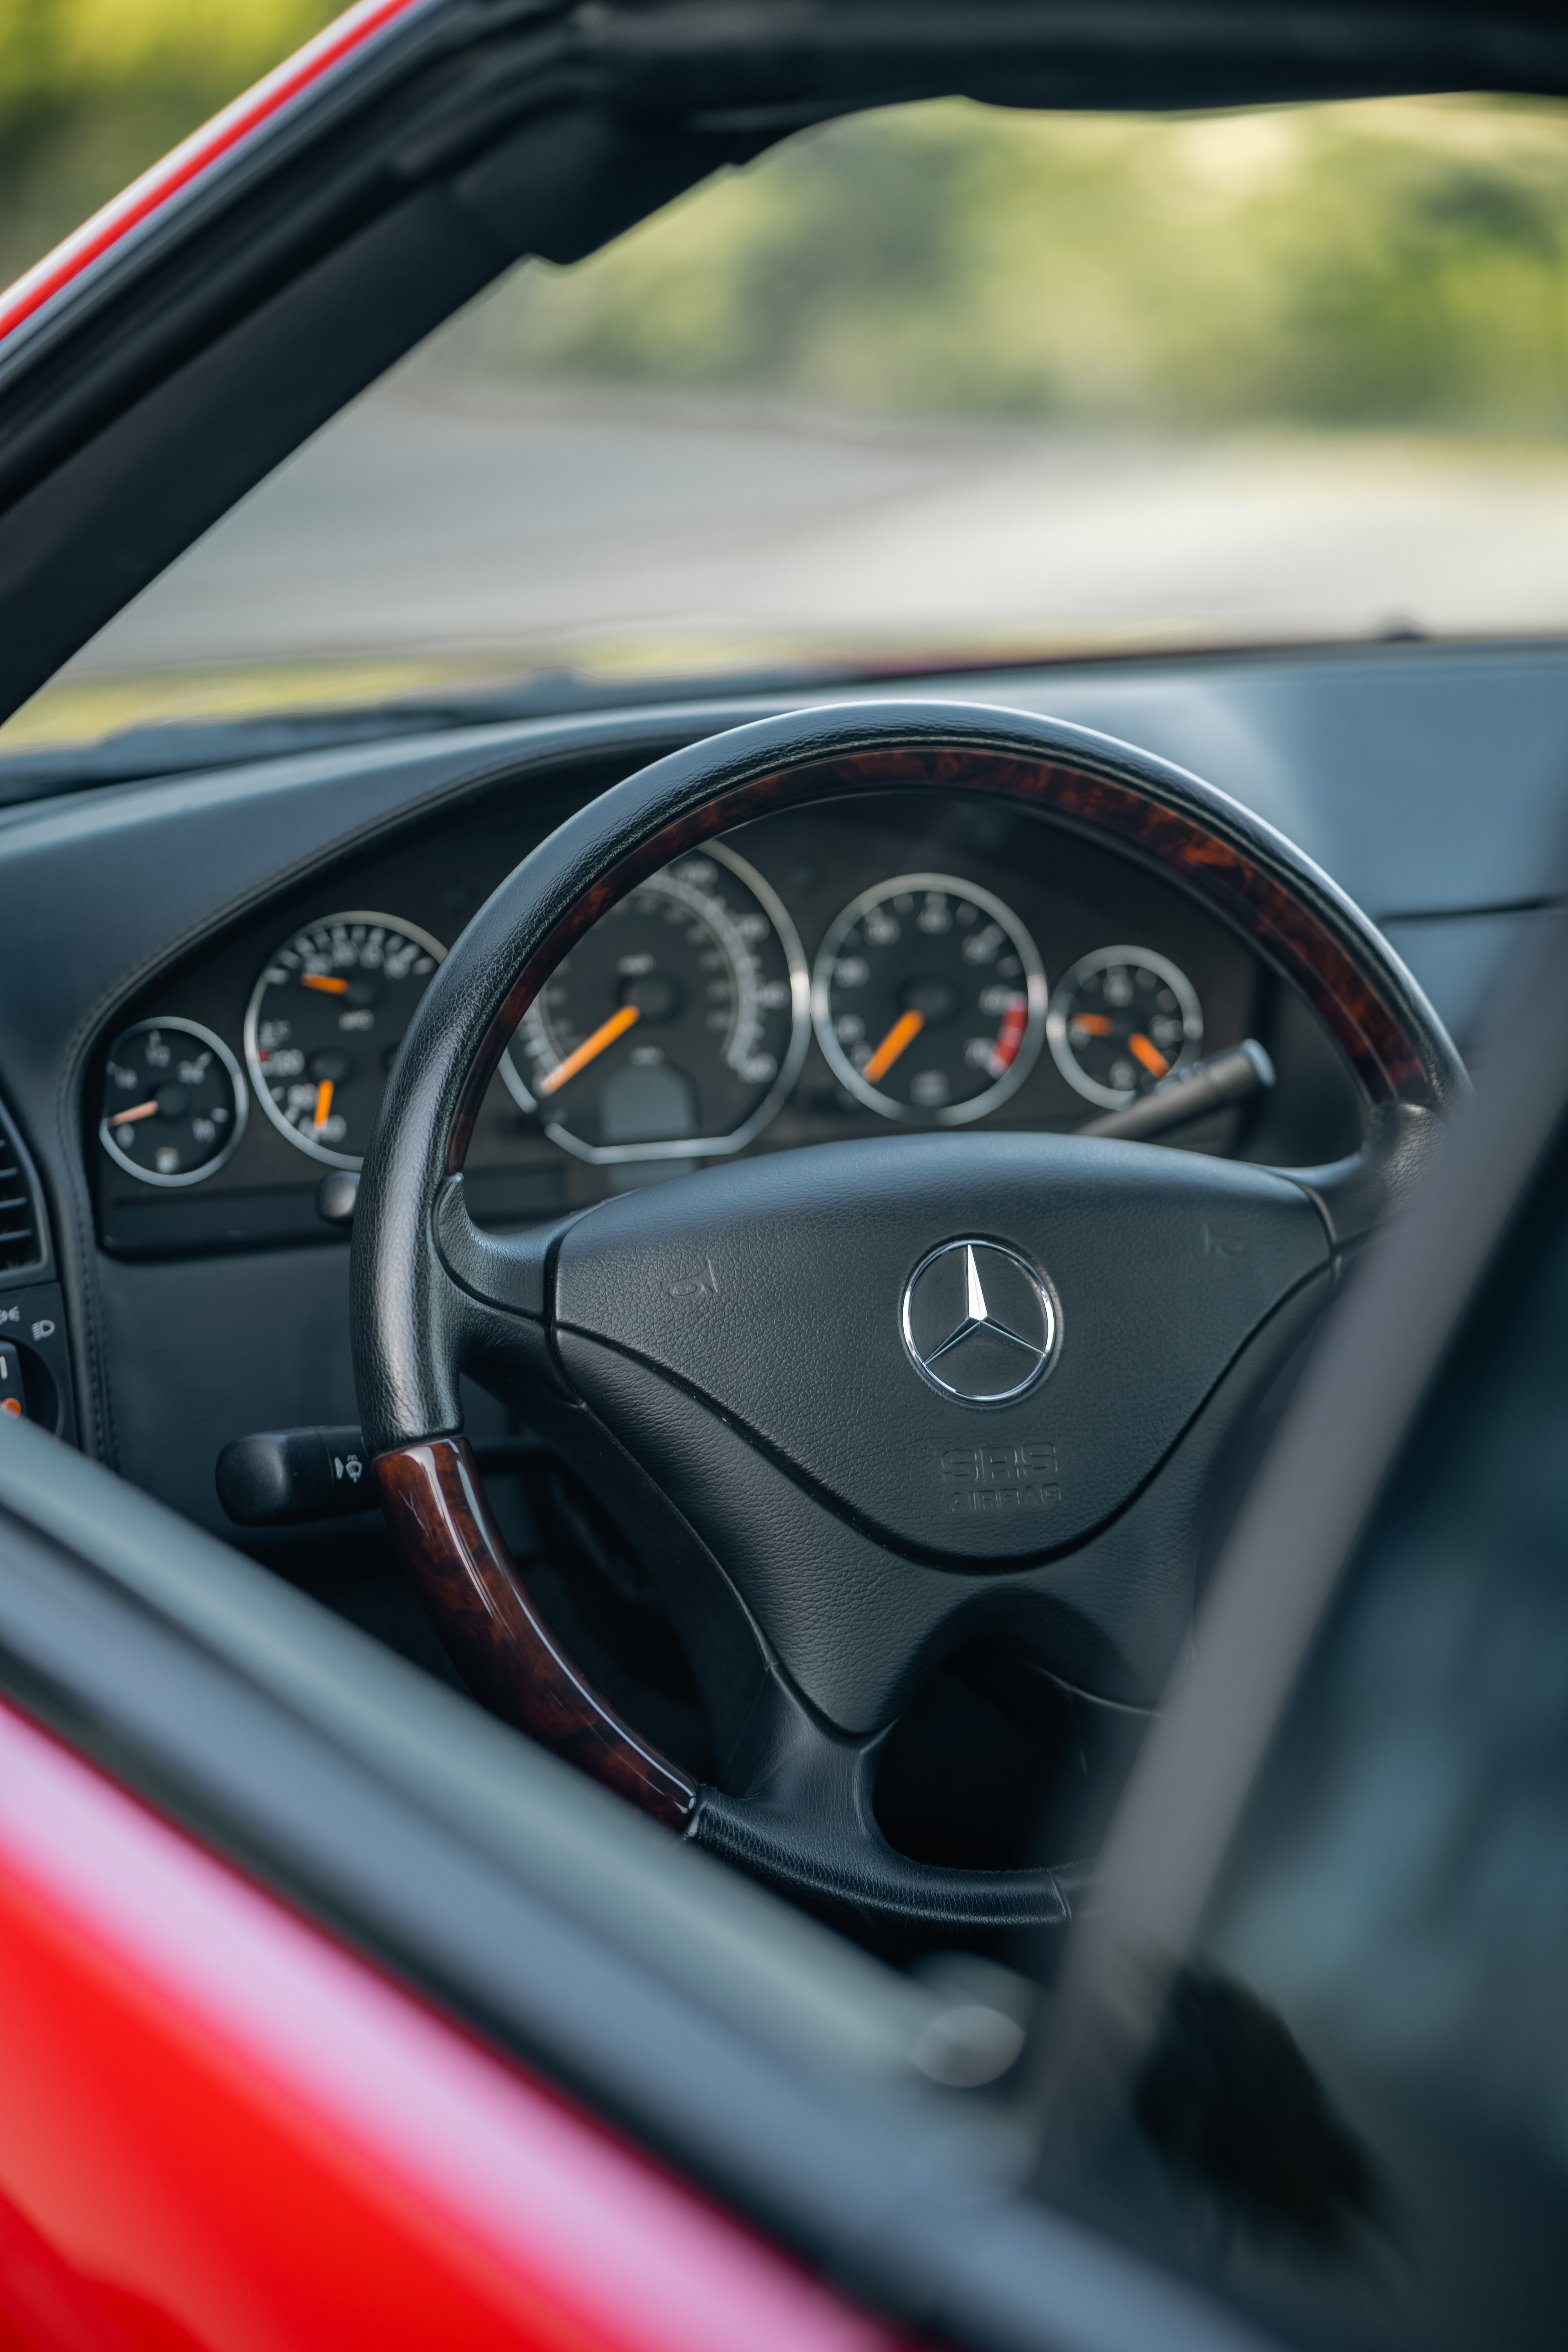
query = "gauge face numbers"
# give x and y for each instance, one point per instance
(929, 1000)
(677, 1025)
(173, 1102)
(1121, 1020)
(326, 1018)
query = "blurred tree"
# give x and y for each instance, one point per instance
(1393, 263)
(92, 92)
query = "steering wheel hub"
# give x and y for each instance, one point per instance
(793, 1297)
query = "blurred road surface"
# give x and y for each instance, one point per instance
(563, 525)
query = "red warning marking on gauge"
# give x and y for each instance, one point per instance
(1010, 1036)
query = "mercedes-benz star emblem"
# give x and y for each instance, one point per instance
(979, 1322)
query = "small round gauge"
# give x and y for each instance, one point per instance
(929, 999)
(677, 1025)
(1121, 1020)
(173, 1102)
(325, 1019)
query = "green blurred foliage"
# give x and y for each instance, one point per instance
(1390, 263)
(92, 92)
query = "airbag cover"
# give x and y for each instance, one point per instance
(773, 1289)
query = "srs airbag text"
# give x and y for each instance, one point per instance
(1000, 1477)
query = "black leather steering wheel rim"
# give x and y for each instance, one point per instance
(432, 1296)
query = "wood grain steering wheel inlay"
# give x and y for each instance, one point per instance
(439, 1518)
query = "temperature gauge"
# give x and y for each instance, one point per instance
(173, 1102)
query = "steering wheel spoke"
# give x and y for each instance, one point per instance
(802, 1819)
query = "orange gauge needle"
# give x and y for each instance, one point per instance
(138, 1110)
(1153, 1061)
(904, 1031)
(1092, 1024)
(604, 1034)
(325, 982)
(324, 1103)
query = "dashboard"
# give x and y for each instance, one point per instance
(158, 935)
(824, 972)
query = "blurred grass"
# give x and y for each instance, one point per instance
(92, 92)
(76, 709)
(1390, 262)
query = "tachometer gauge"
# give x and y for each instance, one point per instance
(676, 1027)
(929, 999)
(173, 1102)
(326, 1018)
(1121, 1020)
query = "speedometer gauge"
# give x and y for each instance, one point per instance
(1121, 1020)
(676, 1026)
(326, 1018)
(929, 999)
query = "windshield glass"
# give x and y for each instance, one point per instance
(937, 386)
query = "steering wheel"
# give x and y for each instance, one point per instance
(859, 1404)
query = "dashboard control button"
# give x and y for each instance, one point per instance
(336, 1196)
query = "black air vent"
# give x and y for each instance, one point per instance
(18, 1221)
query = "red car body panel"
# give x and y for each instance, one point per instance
(220, 2128)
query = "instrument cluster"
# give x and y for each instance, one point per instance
(803, 978)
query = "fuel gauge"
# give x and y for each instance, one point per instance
(173, 1102)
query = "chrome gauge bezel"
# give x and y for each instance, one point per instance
(704, 1147)
(1176, 980)
(241, 1107)
(910, 1114)
(321, 1152)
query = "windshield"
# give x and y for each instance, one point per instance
(934, 387)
